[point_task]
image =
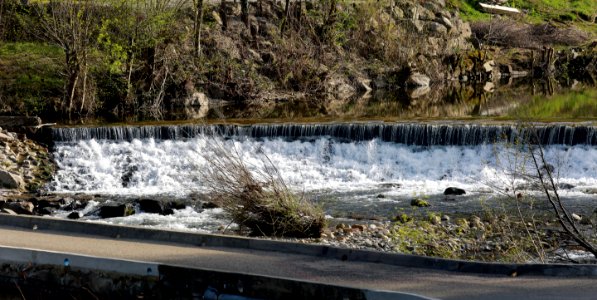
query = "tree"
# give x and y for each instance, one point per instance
(197, 26)
(244, 5)
(69, 24)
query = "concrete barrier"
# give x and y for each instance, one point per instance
(345, 254)
(55, 270)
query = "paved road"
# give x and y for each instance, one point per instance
(438, 284)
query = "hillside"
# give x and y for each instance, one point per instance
(117, 59)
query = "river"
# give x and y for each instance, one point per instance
(366, 163)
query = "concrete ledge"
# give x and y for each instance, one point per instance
(212, 240)
(77, 261)
(156, 280)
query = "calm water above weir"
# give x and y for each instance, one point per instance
(352, 167)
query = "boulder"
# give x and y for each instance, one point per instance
(151, 206)
(74, 215)
(41, 204)
(21, 208)
(122, 210)
(418, 79)
(454, 191)
(46, 211)
(10, 180)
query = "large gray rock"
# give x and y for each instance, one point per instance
(11, 181)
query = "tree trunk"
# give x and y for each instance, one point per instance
(198, 24)
(223, 15)
(244, 6)
(286, 16)
(1, 25)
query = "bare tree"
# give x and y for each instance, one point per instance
(1, 13)
(244, 5)
(550, 189)
(68, 24)
(223, 15)
(197, 24)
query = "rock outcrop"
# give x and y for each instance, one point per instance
(24, 164)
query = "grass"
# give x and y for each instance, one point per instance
(575, 104)
(256, 197)
(31, 73)
(538, 11)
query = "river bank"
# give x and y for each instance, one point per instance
(327, 54)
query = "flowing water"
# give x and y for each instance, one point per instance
(365, 169)
(362, 158)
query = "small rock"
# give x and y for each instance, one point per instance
(209, 205)
(446, 22)
(5, 137)
(489, 87)
(435, 220)
(565, 186)
(419, 92)
(488, 66)
(359, 227)
(9, 211)
(419, 203)
(372, 226)
(576, 217)
(436, 29)
(475, 222)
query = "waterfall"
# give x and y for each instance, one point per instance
(402, 133)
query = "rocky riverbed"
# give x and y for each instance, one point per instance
(490, 235)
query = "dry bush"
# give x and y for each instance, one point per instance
(510, 33)
(256, 197)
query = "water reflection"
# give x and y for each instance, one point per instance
(509, 99)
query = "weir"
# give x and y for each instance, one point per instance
(403, 133)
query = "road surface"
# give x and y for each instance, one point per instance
(431, 283)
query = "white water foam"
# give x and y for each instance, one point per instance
(321, 166)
